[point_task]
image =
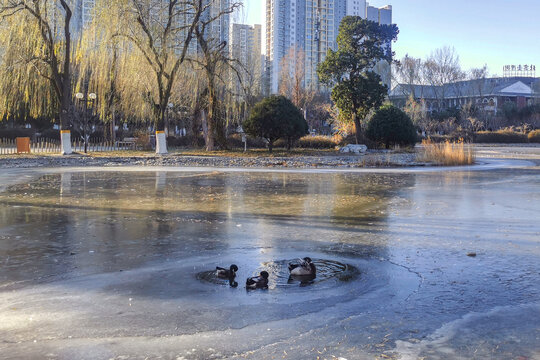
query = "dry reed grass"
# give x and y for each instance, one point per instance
(447, 153)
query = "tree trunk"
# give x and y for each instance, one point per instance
(214, 131)
(65, 85)
(357, 128)
(196, 122)
(210, 143)
(208, 140)
(161, 138)
(65, 133)
(210, 134)
(270, 146)
(65, 102)
(113, 126)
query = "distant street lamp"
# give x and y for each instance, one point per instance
(89, 100)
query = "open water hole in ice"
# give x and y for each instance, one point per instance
(114, 264)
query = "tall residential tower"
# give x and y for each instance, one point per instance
(313, 26)
(245, 46)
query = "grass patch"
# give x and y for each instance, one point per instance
(500, 137)
(316, 142)
(447, 153)
(534, 136)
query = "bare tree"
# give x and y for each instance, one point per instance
(440, 69)
(408, 73)
(213, 60)
(478, 78)
(48, 30)
(292, 75)
(162, 32)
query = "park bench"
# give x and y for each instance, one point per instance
(127, 142)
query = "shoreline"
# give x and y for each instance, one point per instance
(370, 160)
(381, 159)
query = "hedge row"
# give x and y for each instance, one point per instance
(235, 142)
(16, 132)
(52, 134)
(500, 137)
(306, 142)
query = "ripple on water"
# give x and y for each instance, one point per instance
(328, 272)
(211, 277)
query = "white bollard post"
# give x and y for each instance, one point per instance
(65, 139)
(161, 142)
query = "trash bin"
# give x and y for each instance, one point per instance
(23, 145)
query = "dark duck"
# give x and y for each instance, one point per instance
(258, 282)
(229, 274)
(303, 267)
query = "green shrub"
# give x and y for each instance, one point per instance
(437, 139)
(275, 117)
(391, 126)
(500, 137)
(280, 143)
(310, 142)
(534, 136)
(185, 141)
(510, 110)
(297, 128)
(52, 134)
(16, 132)
(235, 141)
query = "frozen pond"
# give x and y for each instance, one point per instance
(115, 264)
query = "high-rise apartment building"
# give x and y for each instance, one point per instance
(312, 25)
(381, 15)
(322, 24)
(82, 15)
(219, 29)
(356, 8)
(245, 44)
(285, 28)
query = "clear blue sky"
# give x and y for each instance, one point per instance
(492, 32)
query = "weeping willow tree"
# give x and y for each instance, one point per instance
(20, 79)
(36, 60)
(214, 63)
(134, 77)
(160, 33)
(133, 57)
(104, 62)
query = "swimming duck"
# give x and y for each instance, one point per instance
(227, 273)
(258, 282)
(305, 267)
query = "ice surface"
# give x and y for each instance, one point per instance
(107, 264)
